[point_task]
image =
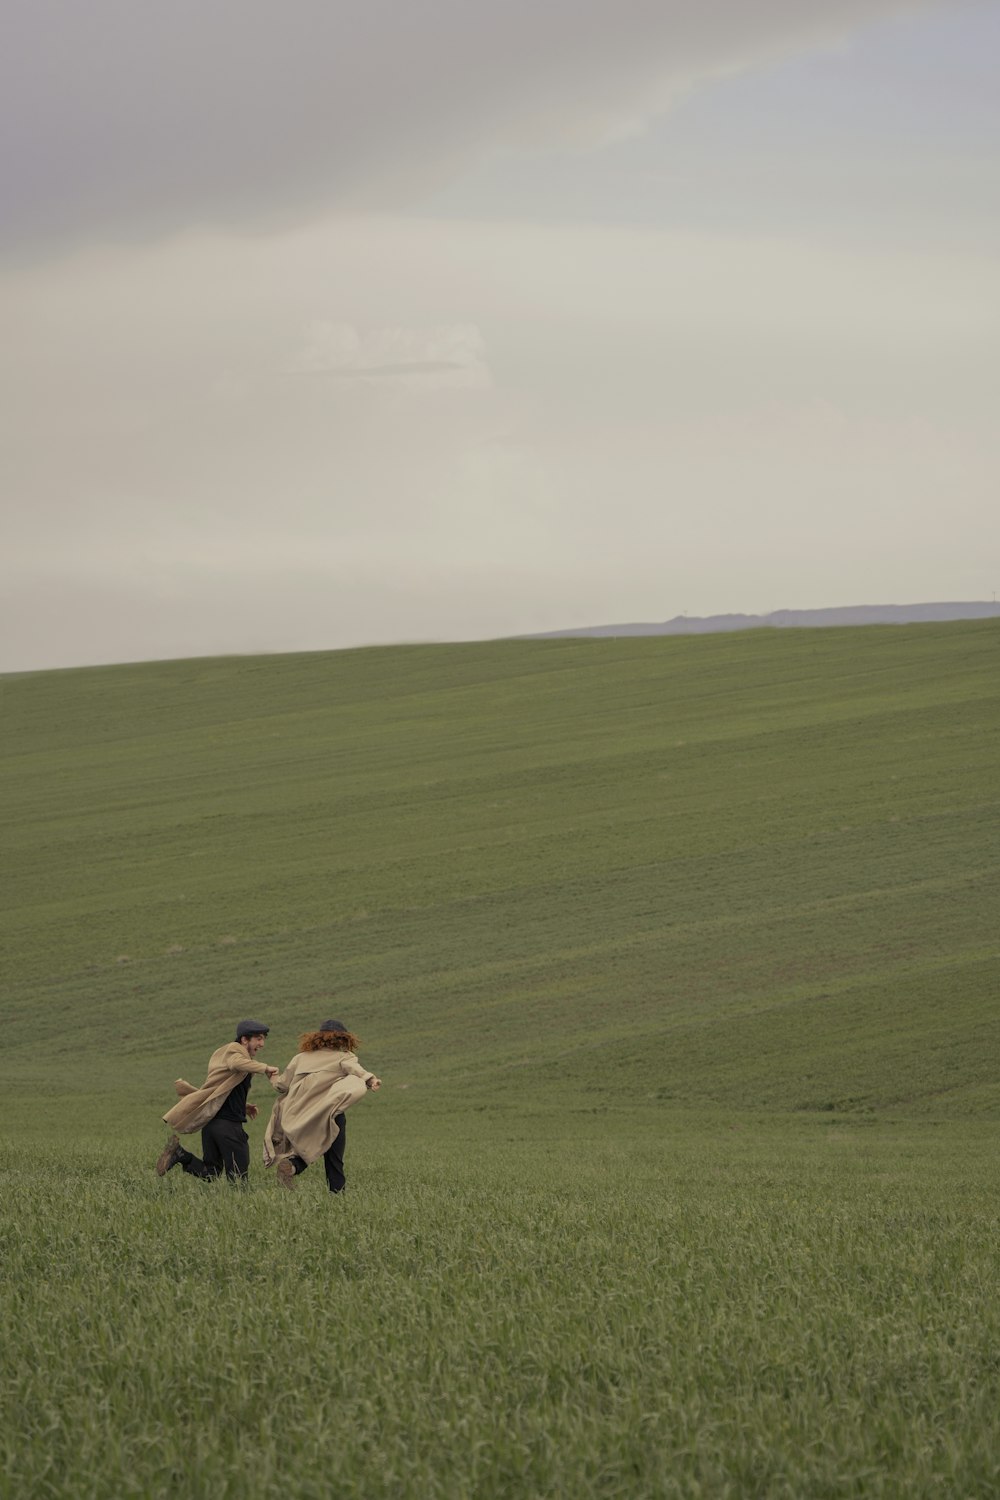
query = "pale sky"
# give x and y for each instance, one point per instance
(328, 323)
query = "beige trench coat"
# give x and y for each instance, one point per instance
(226, 1067)
(314, 1088)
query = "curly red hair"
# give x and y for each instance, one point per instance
(337, 1041)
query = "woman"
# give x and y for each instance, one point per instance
(323, 1079)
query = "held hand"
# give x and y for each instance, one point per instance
(251, 1111)
(374, 1083)
(270, 1072)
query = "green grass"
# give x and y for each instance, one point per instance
(680, 1309)
(679, 961)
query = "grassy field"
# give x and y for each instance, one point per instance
(679, 961)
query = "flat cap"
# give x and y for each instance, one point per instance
(251, 1028)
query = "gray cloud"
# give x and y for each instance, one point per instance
(744, 425)
(434, 357)
(125, 118)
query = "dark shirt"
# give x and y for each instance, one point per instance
(234, 1106)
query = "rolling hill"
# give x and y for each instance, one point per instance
(793, 619)
(755, 871)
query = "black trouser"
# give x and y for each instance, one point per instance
(333, 1159)
(225, 1147)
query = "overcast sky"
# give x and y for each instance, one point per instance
(345, 321)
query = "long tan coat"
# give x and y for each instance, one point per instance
(226, 1067)
(314, 1088)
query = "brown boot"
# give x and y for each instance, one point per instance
(169, 1156)
(286, 1173)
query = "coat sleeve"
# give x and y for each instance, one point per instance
(284, 1080)
(350, 1064)
(236, 1060)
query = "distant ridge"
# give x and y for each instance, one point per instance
(851, 614)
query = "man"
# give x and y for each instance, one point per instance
(219, 1109)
